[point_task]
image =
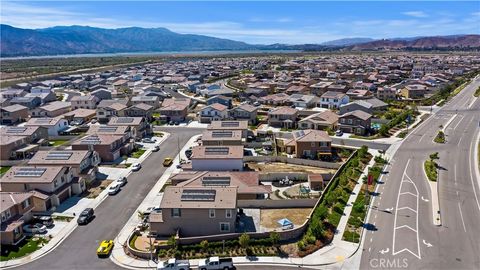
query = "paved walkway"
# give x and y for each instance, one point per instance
(74, 210)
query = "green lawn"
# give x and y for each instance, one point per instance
(57, 142)
(4, 169)
(27, 246)
(138, 153)
(440, 138)
(431, 170)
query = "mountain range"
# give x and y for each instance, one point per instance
(62, 40)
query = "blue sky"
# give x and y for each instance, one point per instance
(258, 22)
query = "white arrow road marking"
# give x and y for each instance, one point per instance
(383, 251)
(426, 243)
(425, 200)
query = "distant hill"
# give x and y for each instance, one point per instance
(347, 41)
(83, 39)
(61, 40)
(422, 43)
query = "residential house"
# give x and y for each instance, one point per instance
(248, 184)
(320, 88)
(244, 112)
(333, 100)
(52, 109)
(174, 109)
(29, 102)
(139, 126)
(45, 97)
(17, 142)
(320, 121)
(356, 94)
(84, 163)
(217, 158)
(13, 114)
(102, 94)
(214, 112)
(109, 147)
(222, 137)
(84, 102)
(284, 117)
(15, 211)
(194, 211)
(51, 185)
(230, 125)
(79, 116)
(54, 125)
(377, 105)
(386, 93)
(226, 101)
(279, 99)
(310, 143)
(414, 91)
(357, 122)
(140, 110)
(153, 101)
(110, 108)
(356, 105)
(303, 101)
(13, 93)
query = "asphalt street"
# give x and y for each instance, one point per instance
(401, 233)
(78, 250)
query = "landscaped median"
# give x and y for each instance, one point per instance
(430, 167)
(440, 138)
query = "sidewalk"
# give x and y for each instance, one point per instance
(334, 253)
(73, 211)
(118, 255)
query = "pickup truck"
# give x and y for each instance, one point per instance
(214, 263)
(173, 264)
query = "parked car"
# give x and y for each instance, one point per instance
(174, 264)
(148, 140)
(338, 133)
(170, 123)
(86, 216)
(214, 263)
(167, 162)
(150, 210)
(114, 189)
(136, 167)
(45, 220)
(121, 181)
(35, 228)
(176, 123)
(155, 148)
(105, 248)
(188, 153)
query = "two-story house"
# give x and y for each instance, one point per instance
(109, 147)
(51, 185)
(153, 101)
(310, 143)
(54, 125)
(174, 109)
(244, 112)
(110, 108)
(194, 211)
(15, 211)
(139, 126)
(214, 112)
(84, 102)
(13, 114)
(15, 142)
(320, 121)
(284, 117)
(226, 101)
(140, 110)
(357, 122)
(332, 100)
(222, 137)
(52, 109)
(217, 158)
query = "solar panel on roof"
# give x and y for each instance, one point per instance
(216, 151)
(59, 155)
(215, 181)
(30, 172)
(198, 195)
(16, 130)
(217, 134)
(230, 124)
(91, 140)
(43, 120)
(107, 129)
(125, 120)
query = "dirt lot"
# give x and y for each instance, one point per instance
(269, 217)
(96, 188)
(285, 167)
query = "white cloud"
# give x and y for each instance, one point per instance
(416, 14)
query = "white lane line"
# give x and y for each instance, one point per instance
(455, 127)
(455, 173)
(405, 226)
(369, 249)
(461, 216)
(406, 207)
(375, 217)
(472, 168)
(459, 141)
(371, 239)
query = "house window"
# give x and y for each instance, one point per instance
(224, 226)
(176, 213)
(55, 183)
(350, 121)
(312, 144)
(228, 213)
(25, 204)
(211, 213)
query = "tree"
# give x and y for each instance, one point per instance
(172, 241)
(275, 237)
(362, 152)
(434, 156)
(244, 240)
(204, 245)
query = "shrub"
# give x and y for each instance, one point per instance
(244, 240)
(275, 238)
(338, 207)
(321, 212)
(204, 245)
(362, 152)
(301, 245)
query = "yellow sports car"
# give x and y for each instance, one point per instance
(105, 248)
(167, 162)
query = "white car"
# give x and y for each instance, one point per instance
(155, 148)
(35, 228)
(136, 167)
(121, 181)
(174, 264)
(114, 189)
